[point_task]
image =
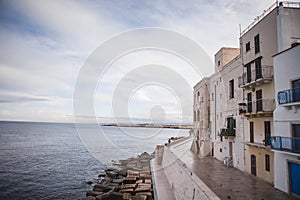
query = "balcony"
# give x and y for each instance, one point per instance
(289, 97)
(262, 107)
(226, 132)
(287, 144)
(256, 77)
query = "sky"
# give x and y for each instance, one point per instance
(46, 44)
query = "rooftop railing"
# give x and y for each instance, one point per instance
(287, 144)
(286, 4)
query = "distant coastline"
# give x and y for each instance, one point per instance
(174, 126)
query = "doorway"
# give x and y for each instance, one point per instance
(267, 132)
(259, 101)
(253, 165)
(294, 174)
(251, 132)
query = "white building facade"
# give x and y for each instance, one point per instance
(286, 139)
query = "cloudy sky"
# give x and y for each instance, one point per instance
(44, 45)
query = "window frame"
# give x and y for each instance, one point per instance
(231, 89)
(257, 44)
(247, 46)
(267, 162)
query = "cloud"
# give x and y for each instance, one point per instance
(45, 43)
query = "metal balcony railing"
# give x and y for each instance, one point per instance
(227, 132)
(285, 144)
(262, 75)
(288, 96)
(262, 105)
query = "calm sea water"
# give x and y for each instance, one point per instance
(49, 160)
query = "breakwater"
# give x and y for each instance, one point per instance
(128, 179)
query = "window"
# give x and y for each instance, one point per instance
(212, 96)
(249, 102)
(259, 101)
(296, 84)
(231, 89)
(258, 71)
(199, 115)
(296, 90)
(219, 63)
(296, 130)
(198, 96)
(256, 43)
(231, 123)
(252, 132)
(248, 66)
(248, 47)
(220, 95)
(267, 161)
(195, 116)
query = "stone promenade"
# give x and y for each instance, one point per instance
(227, 183)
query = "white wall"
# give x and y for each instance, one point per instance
(286, 69)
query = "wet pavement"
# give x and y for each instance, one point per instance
(227, 183)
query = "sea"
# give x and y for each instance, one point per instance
(53, 161)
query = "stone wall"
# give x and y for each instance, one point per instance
(184, 184)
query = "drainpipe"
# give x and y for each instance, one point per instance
(215, 112)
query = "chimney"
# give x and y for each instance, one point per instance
(283, 28)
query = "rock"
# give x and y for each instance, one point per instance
(112, 174)
(139, 197)
(102, 187)
(89, 182)
(93, 193)
(102, 196)
(133, 173)
(126, 196)
(142, 189)
(128, 190)
(119, 181)
(148, 194)
(116, 195)
(145, 176)
(126, 186)
(148, 181)
(102, 174)
(129, 180)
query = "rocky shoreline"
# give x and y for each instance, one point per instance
(129, 179)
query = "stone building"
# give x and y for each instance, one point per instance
(217, 124)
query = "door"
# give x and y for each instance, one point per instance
(267, 132)
(251, 132)
(294, 174)
(258, 71)
(259, 103)
(253, 165)
(248, 73)
(249, 102)
(296, 135)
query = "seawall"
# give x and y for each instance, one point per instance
(171, 175)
